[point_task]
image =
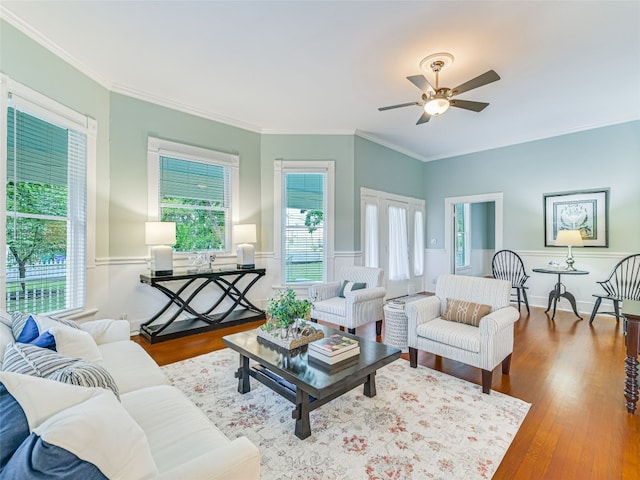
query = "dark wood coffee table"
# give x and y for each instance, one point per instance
(307, 385)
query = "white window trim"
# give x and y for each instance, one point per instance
(449, 226)
(44, 107)
(158, 146)
(297, 166)
(467, 239)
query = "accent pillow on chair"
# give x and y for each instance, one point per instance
(465, 312)
(348, 286)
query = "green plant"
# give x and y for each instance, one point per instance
(284, 308)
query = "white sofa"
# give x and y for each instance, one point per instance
(182, 441)
(483, 346)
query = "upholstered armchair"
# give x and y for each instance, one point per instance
(483, 342)
(361, 301)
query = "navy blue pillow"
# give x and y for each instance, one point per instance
(31, 334)
(14, 428)
(36, 459)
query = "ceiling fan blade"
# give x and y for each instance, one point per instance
(382, 109)
(469, 105)
(421, 82)
(424, 118)
(479, 81)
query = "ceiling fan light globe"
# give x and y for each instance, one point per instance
(436, 106)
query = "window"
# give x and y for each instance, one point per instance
(371, 235)
(304, 198)
(398, 244)
(48, 150)
(196, 188)
(463, 237)
(418, 244)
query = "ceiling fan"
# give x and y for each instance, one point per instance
(437, 100)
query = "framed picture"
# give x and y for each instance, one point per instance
(585, 210)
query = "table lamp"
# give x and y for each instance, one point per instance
(160, 236)
(244, 236)
(569, 238)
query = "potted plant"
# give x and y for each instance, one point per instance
(286, 320)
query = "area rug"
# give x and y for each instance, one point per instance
(422, 424)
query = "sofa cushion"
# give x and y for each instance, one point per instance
(348, 286)
(465, 312)
(76, 343)
(177, 431)
(86, 427)
(131, 367)
(335, 306)
(41, 362)
(456, 334)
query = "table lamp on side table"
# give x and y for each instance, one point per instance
(160, 236)
(244, 236)
(569, 238)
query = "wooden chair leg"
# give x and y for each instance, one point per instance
(379, 328)
(616, 308)
(486, 381)
(518, 295)
(595, 309)
(526, 300)
(413, 357)
(506, 365)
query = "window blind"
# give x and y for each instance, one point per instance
(45, 212)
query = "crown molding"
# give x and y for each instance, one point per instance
(392, 146)
(182, 107)
(276, 131)
(40, 39)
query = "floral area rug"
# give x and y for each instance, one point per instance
(422, 424)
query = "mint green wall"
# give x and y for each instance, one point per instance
(603, 157)
(380, 168)
(132, 122)
(30, 64)
(483, 226)
(311, 147)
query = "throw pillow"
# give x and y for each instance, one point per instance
(14, 427)
(348, 286)
(20, 321)
(465, 312)
(40, 362)
(73, 342)
(76, 433)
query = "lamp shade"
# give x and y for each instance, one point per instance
(436, 106)
(571, 238)
(160, 233)
(244, 233)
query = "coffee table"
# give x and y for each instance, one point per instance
(306, 385)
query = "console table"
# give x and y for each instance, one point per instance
(167, 325)
(559, 290)
(631, 312)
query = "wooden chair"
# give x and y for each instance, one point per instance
(623, 284)
(507, 265)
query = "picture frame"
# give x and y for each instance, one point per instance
(584, 210)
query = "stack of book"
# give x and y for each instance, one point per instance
(333, 349)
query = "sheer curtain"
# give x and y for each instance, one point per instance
(418, 244)
(371, 236)
(398, 244)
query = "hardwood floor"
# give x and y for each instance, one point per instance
(571, 372)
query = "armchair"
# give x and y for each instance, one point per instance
(483, 346)
(357, 307)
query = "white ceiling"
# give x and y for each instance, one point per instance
(325, 67)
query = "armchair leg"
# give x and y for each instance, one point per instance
(352, 331)
(595, 309)
(314, 320)
(486, 381)
(413, 357)
(506, 365)
(379, 328)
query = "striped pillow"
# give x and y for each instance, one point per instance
(465, 312)
(41, 362)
